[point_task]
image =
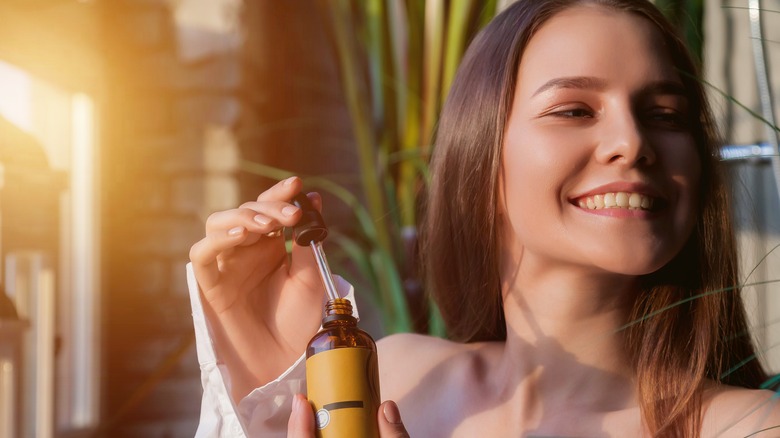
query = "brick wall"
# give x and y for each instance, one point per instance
(169, 159)
(295, 115)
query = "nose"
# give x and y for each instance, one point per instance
(623, 141)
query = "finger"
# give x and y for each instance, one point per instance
(301, 422)
(257, 217)
(203, 254)
(245, 226)
(281, 212)
(285, 214)
(316, 200)
(390, 424)
(258, 225)
(282, 191)
(271, 216)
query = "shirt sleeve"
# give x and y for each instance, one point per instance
(265, 411)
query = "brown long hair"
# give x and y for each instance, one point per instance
(688, 322)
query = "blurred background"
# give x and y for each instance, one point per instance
(125, 123)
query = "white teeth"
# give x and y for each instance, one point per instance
(609, 200)
(621, 199)
(631, 201)
(635, 200)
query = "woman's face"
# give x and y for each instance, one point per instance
(599, 168)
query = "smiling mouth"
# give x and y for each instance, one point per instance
(617, 200)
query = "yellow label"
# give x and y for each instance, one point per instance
(343, 387)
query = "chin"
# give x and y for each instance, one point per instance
(632, 265)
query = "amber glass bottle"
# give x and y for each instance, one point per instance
(342, 376)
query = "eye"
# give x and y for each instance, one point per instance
(667, 118)
(573, 113)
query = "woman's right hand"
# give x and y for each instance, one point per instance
(263, 307)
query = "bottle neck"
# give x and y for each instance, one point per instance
(338, 311)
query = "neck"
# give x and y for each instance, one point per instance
(561, 336)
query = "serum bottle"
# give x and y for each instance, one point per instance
(342, 374)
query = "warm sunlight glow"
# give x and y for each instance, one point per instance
(44, 346)
(16, 104)
(84, 261)
(7, 408)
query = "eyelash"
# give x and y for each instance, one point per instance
(663, 117)
(668, 118)
(568, 113)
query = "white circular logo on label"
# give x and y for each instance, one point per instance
(322, 418)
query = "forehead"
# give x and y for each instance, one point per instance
(595, 41)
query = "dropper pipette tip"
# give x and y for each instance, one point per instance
(324, 269)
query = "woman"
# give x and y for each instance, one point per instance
(576, 221)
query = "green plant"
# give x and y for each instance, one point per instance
(688, 16)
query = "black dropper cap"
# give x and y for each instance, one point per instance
(311, 227)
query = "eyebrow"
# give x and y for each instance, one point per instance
(664, 87)
(577, 82)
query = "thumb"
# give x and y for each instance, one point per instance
(301, 422)
(390, 425)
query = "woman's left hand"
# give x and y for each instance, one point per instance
(301, 423)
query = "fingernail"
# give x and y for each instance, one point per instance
(289, 180)
(262, 220)
(236, 231)
(289, 210)
(391, 413)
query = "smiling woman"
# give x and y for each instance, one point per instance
(576, 238)
(582, 123)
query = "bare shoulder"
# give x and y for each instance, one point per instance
(411, 364)
(433, 380)
(400, 347)
(734, 411)
(413, 354)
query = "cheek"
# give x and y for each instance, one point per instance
(519, 188)
(539, 159)
(678, 154)
(681, 162)
(527, 182)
